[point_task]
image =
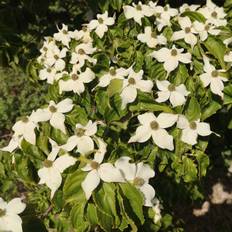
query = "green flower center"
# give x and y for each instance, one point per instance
(52, 109)
(47, 163)
(65, 32)
(84, 29)
(81, 51)
(214, 14)
(174, 52)
(138, 7)
(207, 27)
(45, 49)
(112, 72)
(100, 20)
(171, 87)
(56, 57)
(131, 81)
(94, 165)
(154, 125)
(193, 125)
(187, 30)
(25, 119)
(80, 132)
(139, 181)
(153, 35)
(166, 8)
(2, 212)
(74, 77)
(158, 15)
(49, 70)
(214, 73)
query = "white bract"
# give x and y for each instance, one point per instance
(14, 143)
(191, 130)
(98, 171)
(228, 57)
(187, 33)
(76, 81)
(50, 173)
(133, 83)
(156, 208)
(151, 38)
(63, 35)
(176, 94)
(152, 126)
(101, 24)
(82, 138)
(137, 12)
(54, 113)
(82, 35)
(138, 175)
(213, 78)
(114, 73)
(185, 7)
(171, 57)
(9, 218)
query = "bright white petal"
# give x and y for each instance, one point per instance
(71, 143)
(203, 129)
(16, 206)
(166, 120)
(177, 99)
(85, 144)
(182, 122)
(162, 139)
(162, 96)
(149, 194)
(128, 95)
(57, 121)
(65, 106)
(142, 134)
(64, 162)
(189, 136)
(146, 118)
(144, 171)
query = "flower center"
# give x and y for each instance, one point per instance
(80, 132)
(94, 165)
(65, 32)
(138, 7)
(74, 77)
(138, 181)
(153, 35)
(171, 87)
(81, 51)
(131, 81)
(112, 72)
(174, 52)
(154, 125)
(2, 212)
(84, 29)
(166, 8)
(214, 73)
(214, 14)
(56, 57)
(187, 9)
(52, 109)
(100, 20)
(207, 27)
(49, 70)
(25, 119)
(187, 30)
(45, 49)
(47, 163)
(158, 15)
(193, 125)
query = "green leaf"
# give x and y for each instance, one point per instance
(78, 115)
(228, 94)
(114, 87)
(203, 163)
(210, 110)
(91, 214)
(135, 199)
(181, 75)
(217, 49)
(189, 170)
(105, 221)
(116, 4)
(194, 110)
(141, 106)
(194, 16)
(59, 136)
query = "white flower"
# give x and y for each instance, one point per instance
(25, 128)
(204, 29)
(228, 57)
(54, 113)
(82, 139)
(155, 127)
(171, 57)
(9, 218)
(176, 94)
(157, 210)
(227, 41)
(81, 54)
(187, 32)
(63, 35)
(113, 73)
(99, 171)
(50, 173)
(185, 7)
(213, 78)
(132, 84)
(191, 130)
(48, 45)
(83, 35)
(14, 143)
(150, 38)
(139, 175)
(77, 81)
(48, 74)
(100, 25)
(137, 12)
(213, 14)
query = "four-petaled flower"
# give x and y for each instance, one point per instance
(63, 35)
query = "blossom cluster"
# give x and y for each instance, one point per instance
(68, 62)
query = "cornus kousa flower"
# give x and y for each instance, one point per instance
(213, 14)
(137, 12)
(204, 29)
(76, 81)
(152, 126)
(191, 130)
(82, 35)
(185, 7)
(98, 171)
(9, 218)
(139, 175)
(187, 32)
(132, 84)
(151, 38)
(101, 24)
(49, 74)
(82, 53)
(171, 57)
(82, 138)
(176, 94)
(114, 73)
(50, 173)
(54, 113)
(213, 78)
(228, 57)
(63, 35)
(14, 143)
(157, 210)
